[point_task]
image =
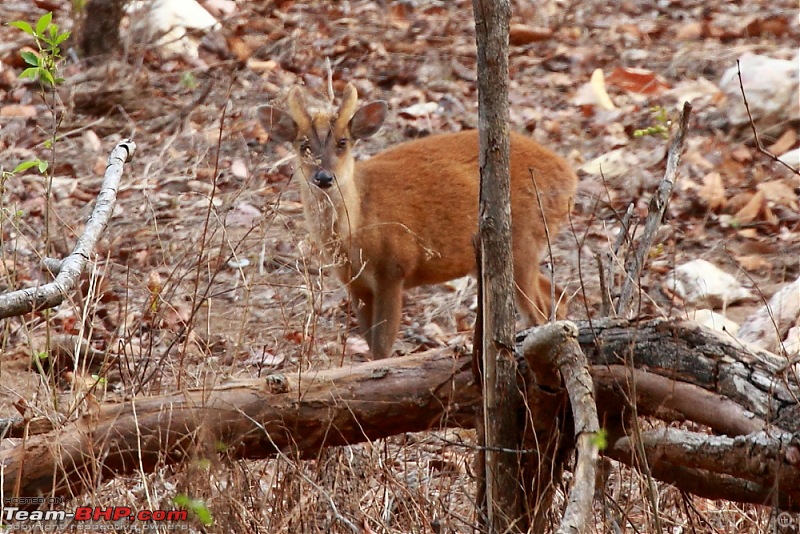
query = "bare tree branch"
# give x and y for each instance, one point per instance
(69, 273)
(670, 400)
(709, 485)
(658, 205)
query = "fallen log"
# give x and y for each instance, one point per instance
(251, 418)
(298, 414)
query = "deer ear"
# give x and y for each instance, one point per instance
(279, 125)
(368, 120)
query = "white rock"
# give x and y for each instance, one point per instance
(423, 109)
(792, 157)
(768, 326)
(356, 345)
(792, 342)
(613, 164)
(238, 263)
(169, 20)
(713, 320)
(701, 283)
(264, 358)
(771, 86)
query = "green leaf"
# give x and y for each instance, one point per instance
(204, 515)
(30, 72)
(600, 439)
(198, 507)
(203, 464)
(46, 76)
(22, 25)
(61, 38)
(30, 58)
(43, 166)
(25, 165)
(43, 23)
(188, 80)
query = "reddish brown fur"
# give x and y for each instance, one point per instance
(406, 218)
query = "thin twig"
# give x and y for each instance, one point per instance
(658, 205)
(549, 249)
(759, 146)
(607, 271)
(604, 277)
(329, 71)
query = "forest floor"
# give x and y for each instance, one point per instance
(205, 272)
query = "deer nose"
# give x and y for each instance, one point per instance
(322, 179)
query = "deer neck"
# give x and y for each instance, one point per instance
(332, 216)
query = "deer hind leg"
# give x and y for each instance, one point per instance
(532, 295)
(362, 302)
(386, 316)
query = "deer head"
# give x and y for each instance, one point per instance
(323, 141)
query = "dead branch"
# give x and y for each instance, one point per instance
(550, 437)
(17, 427)
(670, 400)
(53, 293)
(749, 457)
(545, 347)
(685, 352)
(299, 415)
(658, 205)
(709, 485)
(768, 456)
(251, 418)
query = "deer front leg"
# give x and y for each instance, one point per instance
(386, 316)
(532, 295)
(362, 302)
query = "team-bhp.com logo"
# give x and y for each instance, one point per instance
(785, 520)
(14, 515)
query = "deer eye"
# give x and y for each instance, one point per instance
(341, 144)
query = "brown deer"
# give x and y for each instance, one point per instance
(406, 216)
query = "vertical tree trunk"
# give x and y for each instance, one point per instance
(503, 495)
(100, 28)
